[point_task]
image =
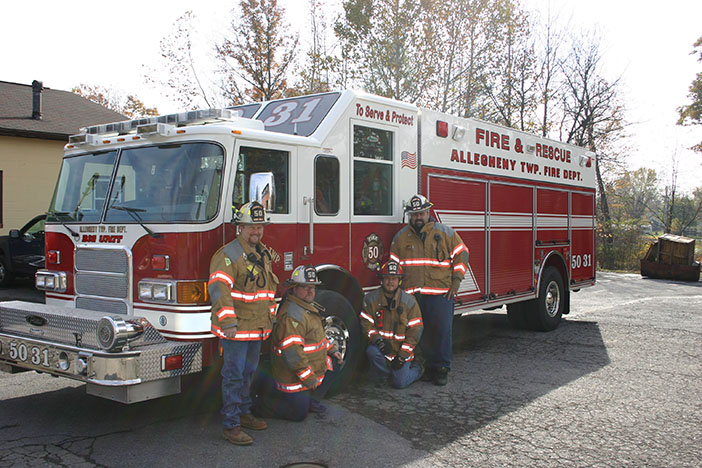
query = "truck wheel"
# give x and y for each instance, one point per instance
(6, 277)
(547, 310)
(343, 329)
(517, 315)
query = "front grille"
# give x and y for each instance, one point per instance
(104, 275)
(107, 260)
(96, 284)
(103, 305)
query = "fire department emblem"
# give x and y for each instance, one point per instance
(372, 251)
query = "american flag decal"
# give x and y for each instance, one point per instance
(408, 160)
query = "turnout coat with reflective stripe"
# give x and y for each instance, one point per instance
(400, 321)
(242, 290)
(300, 347)
(433, 260)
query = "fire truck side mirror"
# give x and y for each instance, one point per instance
(262, 189)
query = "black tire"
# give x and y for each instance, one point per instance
(6, 276)
(517, 315)
(343, 329)
(546, 311)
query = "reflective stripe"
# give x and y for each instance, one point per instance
(221, 276)
(426, 262)
(372, 332)
(367, 317)
(459, 248)
(394, 257)
(433, 291)
(389, 334)
(304, 373)
(273, 310)
(289, 341)
(312, 348)
(460, 267)
(329, 364)
(241, 335)
(414, 322)
(225, 312)
(291, 388)
(253, 297)
(407, 347)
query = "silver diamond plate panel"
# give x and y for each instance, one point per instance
(64, 325)
(102, 305)
(101, 285)
(109, 260)
(150, 360)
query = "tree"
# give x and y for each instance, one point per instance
(691, 114)
(256, 58)
(115, 100)
(634, 195)
(182, 83)
(320, 71)
(389, 45)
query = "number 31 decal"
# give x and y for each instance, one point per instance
(577, 261)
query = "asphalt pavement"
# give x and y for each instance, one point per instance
(618, 384)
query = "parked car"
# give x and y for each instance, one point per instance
(22, 251)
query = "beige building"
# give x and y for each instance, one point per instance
(35, 123)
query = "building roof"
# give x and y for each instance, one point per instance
(63, 113)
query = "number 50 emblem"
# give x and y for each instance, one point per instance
(372, 251)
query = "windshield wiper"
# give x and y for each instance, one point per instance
(55, 215)
(134, 213)
(90, 188)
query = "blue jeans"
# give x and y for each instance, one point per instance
(240, 362)
(401, 378)
(272, 403)
(436, 341)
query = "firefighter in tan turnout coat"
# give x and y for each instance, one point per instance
(301, 354)
(435, 260)
(392, 322)
(242, 290)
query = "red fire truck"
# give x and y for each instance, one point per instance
(141, 205)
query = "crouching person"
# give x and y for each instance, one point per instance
(300, 354)
(392, 321)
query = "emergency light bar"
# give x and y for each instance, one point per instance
(160, 124)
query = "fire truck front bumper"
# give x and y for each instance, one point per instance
(103, 350)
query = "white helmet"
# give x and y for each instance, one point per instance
(303, 276)
(251, 213)
(417, 204)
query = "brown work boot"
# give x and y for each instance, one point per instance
(249, 421)
(236, 436)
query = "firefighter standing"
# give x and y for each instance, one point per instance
(242, 290)
(300, 354)
(435, 260)
(392, 321)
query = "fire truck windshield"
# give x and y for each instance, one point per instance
(166, 183)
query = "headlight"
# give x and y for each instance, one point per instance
(113, 333)
(50, 280)
(157, 290)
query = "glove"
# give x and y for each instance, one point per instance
(310, 383)
(397, 363)
(382, 344)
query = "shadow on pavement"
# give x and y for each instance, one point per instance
(496, 370)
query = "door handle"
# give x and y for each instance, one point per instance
(310, 201)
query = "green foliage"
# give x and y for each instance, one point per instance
(691, 114)
(621, 246)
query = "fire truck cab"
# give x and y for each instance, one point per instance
(140, 206)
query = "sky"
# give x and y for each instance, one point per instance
(645, 44)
